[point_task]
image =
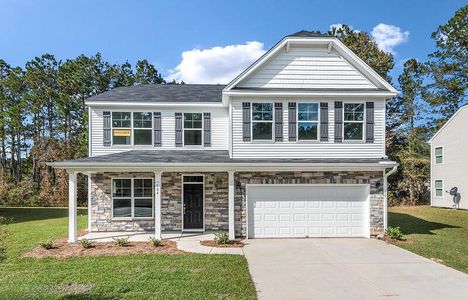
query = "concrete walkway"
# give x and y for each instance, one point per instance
(189, 242)
(348, 269)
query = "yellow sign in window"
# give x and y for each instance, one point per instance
(121, 132)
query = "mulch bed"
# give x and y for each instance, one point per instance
(63, 250)
(393, 241)
(232, 244)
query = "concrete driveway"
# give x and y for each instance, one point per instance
(348, 269)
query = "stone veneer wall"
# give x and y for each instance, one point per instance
(216, 203)
(373, 178)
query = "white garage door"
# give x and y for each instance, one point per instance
(307, 211)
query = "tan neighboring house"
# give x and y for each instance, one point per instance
(449, 162)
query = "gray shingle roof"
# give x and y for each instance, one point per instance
(305, 33)
(203, 156)
(163, 93)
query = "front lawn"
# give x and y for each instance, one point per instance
(435, 233)
(143, 276)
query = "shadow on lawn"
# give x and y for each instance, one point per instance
(410, 224)
(26, 214)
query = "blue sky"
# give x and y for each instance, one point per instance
(161, 31)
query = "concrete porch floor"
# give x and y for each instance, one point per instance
(186, 241)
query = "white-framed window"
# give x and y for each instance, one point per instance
(132, 128)
(132, 198)
(308, 121)
(439, 188)
(262, 121)
(121, 128)
(439, 155)
(193, 129)
(353, 121)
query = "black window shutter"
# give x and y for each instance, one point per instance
(279, 122)
(207, 129)
(157, 129)
(338, 122)
(292, 121)
(246, 121)
(369, 122)
(178, 129)
(107, 128)
(324, 122)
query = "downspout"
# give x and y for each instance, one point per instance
(385, 206)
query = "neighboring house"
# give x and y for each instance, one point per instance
(292, 147)
(449, 162)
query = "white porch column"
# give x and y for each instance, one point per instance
(232, 233)
(72, 206)
(89, 201)
(157, 204)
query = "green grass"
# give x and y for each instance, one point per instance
(147, 276)
(435, 233)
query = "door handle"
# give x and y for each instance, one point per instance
(184, 209)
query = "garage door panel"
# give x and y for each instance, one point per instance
(301, 211)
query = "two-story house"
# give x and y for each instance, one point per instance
(292, 147)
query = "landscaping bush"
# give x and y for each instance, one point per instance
(394, 233)
(122, 242)
(222, 237)
(47, 244)
(85, 243)
(155, 242)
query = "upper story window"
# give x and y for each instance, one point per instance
(307, 121)
(353, 121)
(439, 158)
(193, 127)
(123, 128)
(262, 121)
(142, 128)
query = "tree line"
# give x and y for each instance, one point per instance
(43, 116)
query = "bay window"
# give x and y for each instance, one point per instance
(307, 121)
(132, 198)
(353, 121)
(262, 121)
(193, 127)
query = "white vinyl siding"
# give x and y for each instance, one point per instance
(287, 149)
(302, 67)
(219, 129)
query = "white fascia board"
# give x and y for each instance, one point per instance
(323, 93)
(153, 104)
(446, 123)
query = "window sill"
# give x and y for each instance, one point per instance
(131, 219)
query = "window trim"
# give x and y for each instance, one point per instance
(132, 199)
(132, 133)
(252, 121)
(441, 155)
(202, 130)
(435, 188)
(363, 122)
(297, 123)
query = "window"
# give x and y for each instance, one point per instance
(262, 121)
(121, 128)
(439, 189)
(132, 198)
(353, 121)
(193, 125)
(307, 121)
(142, 128)
(438, 155)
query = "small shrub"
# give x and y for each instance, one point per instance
(47, 244)
(85, 243)
(155, 242)
(222, 237)
(394, 233)
(122, 242)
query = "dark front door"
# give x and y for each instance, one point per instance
(193, 206)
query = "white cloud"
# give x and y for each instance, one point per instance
(338, 26)
(217, 64)
(388, 37)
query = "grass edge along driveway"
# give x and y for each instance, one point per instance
(435, 233)
(156, 276)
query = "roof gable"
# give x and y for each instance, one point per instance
(462, 112)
